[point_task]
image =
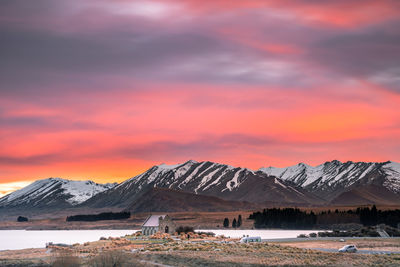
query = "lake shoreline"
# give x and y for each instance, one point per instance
(23, 239)
(38, 228)
(219, 252)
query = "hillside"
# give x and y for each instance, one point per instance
(168, 200)
(213, 186)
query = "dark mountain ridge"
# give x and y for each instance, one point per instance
(331, 183)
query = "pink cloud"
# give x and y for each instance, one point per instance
(94, 91)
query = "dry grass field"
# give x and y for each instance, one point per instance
(142, 251)
(362, 244)
(262, 255)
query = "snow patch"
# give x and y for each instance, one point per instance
(233, 181)
(207, 178)
(168, 167)
(190, 176)
(217, 181)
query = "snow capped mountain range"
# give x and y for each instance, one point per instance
(332, 178)
(54, 192)
(205, 178)
(331, 182)
(179, 176)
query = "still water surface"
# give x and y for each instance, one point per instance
(21, 239)
(264, 234)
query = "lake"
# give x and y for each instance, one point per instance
(21, 239)
(264, 234)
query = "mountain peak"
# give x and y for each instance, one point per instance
(173, 166)
(168, 167)
(302, 164)
(391, 161)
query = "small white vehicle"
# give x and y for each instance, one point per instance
(348, 248)
(247, 239)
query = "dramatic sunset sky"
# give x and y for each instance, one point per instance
(105, 89)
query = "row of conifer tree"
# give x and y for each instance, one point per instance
(294, 218)
(235, 223)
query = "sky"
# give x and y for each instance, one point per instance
(103, 90)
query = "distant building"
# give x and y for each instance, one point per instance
(158, 223)
(247, 239)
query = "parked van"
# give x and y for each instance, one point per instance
(247, 239)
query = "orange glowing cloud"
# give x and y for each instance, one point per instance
(97, 91)
(175, 119)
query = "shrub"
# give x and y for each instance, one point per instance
(206, 233)
(65, 258)
(114, 258)
(184, 229)
(22, 219)
(322, 234)
(313, 235)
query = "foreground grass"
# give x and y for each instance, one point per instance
(260, 255)
(190, 254)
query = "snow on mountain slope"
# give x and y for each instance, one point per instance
(204, 178)
(298, 184)
(392, 169)
(83, 190)
(333, 177)
(301, 173)
(191, 174)
(53, 191)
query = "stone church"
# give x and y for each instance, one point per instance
(158, 223)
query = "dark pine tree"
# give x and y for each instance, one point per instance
(374, 215)
(226, 222)
(239, 221)
(234, 224)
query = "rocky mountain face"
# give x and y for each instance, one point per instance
(331, 183)
(331, 179)
(53, 193)
(366, 195)
(206, 178)
(169, 200)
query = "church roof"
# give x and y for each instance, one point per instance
(152, 220)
